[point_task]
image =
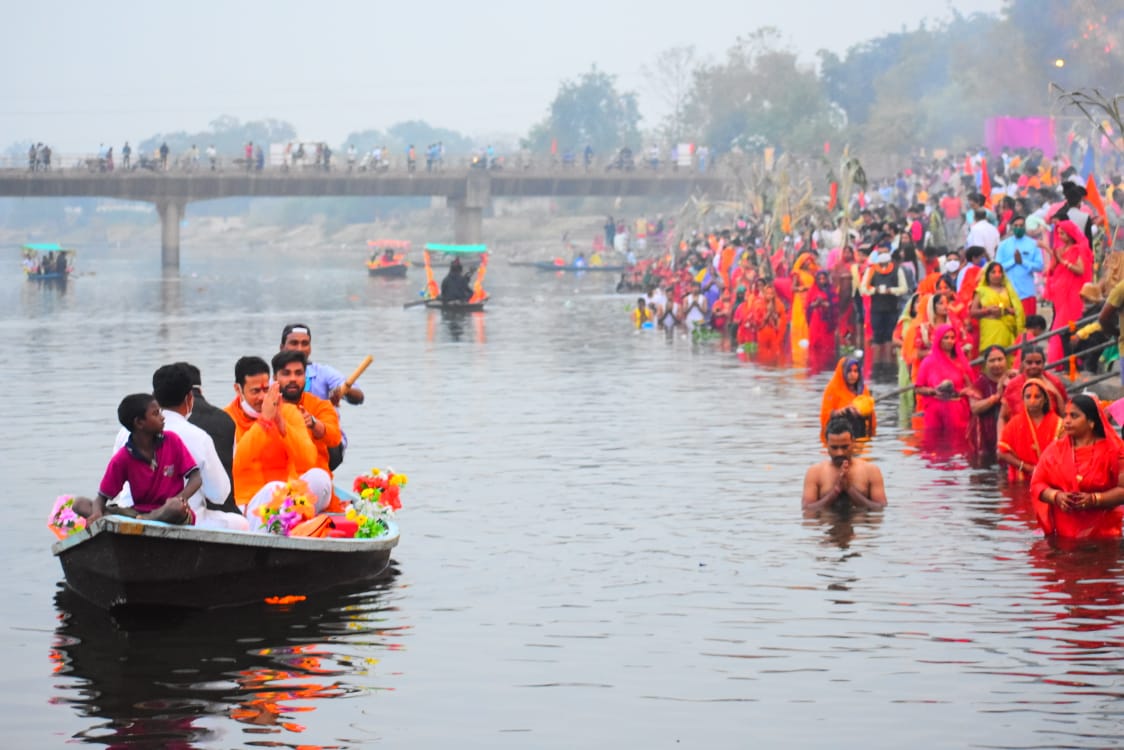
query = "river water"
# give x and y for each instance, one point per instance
(602, 544)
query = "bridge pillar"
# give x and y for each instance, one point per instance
(171, 213)
(468, 210)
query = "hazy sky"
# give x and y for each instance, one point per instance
(77, 74)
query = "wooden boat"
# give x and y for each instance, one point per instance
(122, 563)
(547, 265)
(388, 270)
(389, 264)
(47, 261)
(456, 307)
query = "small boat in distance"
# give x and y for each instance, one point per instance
(47, 261)
(388, 258)
(431, 295)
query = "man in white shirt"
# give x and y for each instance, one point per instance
(172, 388)
(982, 232)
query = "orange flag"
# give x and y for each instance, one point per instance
(834, 196)
(985, 183)
(1094, 197)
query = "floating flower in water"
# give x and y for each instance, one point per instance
(63, 521)
(291, 503)
(378, 498)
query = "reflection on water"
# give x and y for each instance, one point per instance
(149, 682)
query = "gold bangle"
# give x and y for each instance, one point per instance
(1096, 498)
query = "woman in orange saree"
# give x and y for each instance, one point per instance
(770, 321)
(848, 396)
(803, 278)
(1029, 433)
(1076, 487)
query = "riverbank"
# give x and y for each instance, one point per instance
(525, 235)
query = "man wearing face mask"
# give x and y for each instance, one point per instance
(1021, 258)
(274, 443)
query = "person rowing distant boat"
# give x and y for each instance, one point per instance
(456, 286)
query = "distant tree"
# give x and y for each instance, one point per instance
(760, 95)
(227, 133)
(421, 134)
(670, 78)
(589, 111)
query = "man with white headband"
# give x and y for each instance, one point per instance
(321, 380)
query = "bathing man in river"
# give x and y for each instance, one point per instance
(843, 482)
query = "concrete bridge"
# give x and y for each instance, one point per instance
(467, 192)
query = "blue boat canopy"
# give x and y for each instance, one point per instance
(45, 247)
(456, 249)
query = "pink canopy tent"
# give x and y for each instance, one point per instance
(1021, 132)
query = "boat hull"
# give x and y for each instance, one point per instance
(455, 307)
(388, 272)
(121, 563)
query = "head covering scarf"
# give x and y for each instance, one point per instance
(984, 288)
(939, 365)
(1069, 468)
(839, 395)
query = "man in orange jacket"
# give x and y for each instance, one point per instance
(320, 416)
(273, 443)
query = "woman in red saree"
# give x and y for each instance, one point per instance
(945, 381)
(841, 281)
(1029, 433)
(1071, 268)
(822, 306)
(1076, 487)
(983, 430)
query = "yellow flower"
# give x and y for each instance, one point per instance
(350, 515)
(375, 472)
(398, 480)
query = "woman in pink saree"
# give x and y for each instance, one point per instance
(944, 381)
(1071, 268)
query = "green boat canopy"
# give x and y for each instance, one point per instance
(456, 249)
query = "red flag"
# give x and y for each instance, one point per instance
(826, 148)
(967, 165)
(862, 199)
(834, 196)
(1094, 197)
(985, 183)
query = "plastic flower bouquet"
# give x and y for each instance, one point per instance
(291, 504)
(378, 498)
(63, 521)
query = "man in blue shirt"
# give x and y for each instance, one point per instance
(321, 380)
(1021, 258)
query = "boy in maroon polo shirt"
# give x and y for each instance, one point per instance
(154, 463)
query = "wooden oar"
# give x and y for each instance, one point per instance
(346, 386)
(417, 302)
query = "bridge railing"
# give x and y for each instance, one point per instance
(536, 164)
